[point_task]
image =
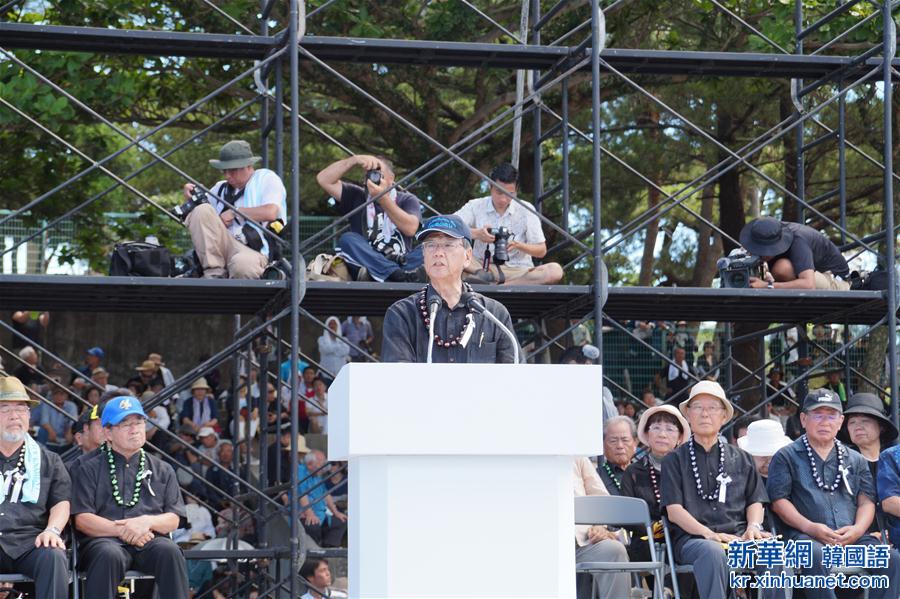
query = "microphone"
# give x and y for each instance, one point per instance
(473, 304)
(433, 304)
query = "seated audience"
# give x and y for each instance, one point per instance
(358, 331)
(30, 373)
(798, 256)
(36, 506)
(823, 491)
(126, 502)
(526, 241)
(711, 491)
(200, 411)
(707, 366)
(661, 429)
(57, 419)
(619, 445)
(867, 429)
(326, 530)
(763, 439)
(596, 543)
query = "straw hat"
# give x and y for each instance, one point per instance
(201, 384)
(713, 389)
(147, 366)
(12, 389)
(645, 417)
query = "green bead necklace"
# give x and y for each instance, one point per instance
(115, 481)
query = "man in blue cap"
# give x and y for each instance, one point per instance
(127, 501)
(459, 334)
(798, 256)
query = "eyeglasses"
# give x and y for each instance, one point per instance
(824, 417)
(13, 410)
(663, 428)
(706, 409)
(444, 246)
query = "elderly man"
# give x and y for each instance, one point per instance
(823, 491)
(460, 335)
(200, 411)
(380, 239)
(34, 499)
(711, 491)
(228, 244)
(619, 445)
(126, 502)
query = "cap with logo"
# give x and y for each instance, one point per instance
(448, 224)
(822, 398)
(96, 352)
(119, 408)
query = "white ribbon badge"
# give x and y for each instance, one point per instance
(723, 480)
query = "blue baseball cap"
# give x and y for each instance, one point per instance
(97, 352)
(118, 408)
(449, 224)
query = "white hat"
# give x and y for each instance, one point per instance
(642, 423)
(709, 388)
(764, 438)
(207, 431)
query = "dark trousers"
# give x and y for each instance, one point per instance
(106, 560)
(327, 535)
(357, 250)
(45, 565)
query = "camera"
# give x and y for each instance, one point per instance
(501, 244)
(374, 176)
(198, 196)
(392, 248)
(736, 269)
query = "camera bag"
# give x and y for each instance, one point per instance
(140, 259)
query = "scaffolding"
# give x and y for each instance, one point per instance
(819, 80)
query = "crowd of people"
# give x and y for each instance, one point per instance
(836, 484)
(141, 479)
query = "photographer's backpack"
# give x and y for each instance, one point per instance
(140, 259)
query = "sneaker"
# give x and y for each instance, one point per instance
(363, 274)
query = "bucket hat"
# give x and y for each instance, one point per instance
(235, 154)
(766, 236)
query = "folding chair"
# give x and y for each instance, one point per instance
(674, 569)
(619, 511)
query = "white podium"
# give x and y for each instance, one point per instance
(460, 479)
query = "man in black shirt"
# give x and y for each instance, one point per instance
(127, 501)
(380, 236)
(34, 499)
(461, 335)
(711, 491)
(798, 256)
(619, 445)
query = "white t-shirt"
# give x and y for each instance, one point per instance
(521, 219)
(264, 187)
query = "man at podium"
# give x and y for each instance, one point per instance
(462, 331)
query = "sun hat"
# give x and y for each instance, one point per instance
(708, 388)
(235, 154)
(766, 236)
(764, 438)
(645, 417)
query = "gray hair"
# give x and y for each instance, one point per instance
(27, 352)
(619, 419)
(309, 458)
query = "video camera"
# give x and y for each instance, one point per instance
(736, 269)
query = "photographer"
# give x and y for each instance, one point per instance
(798, 256)
(226, 243)
(488, 215)
(380, 237)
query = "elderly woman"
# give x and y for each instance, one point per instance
(661, 429)
(866, 428)
(333, 352)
